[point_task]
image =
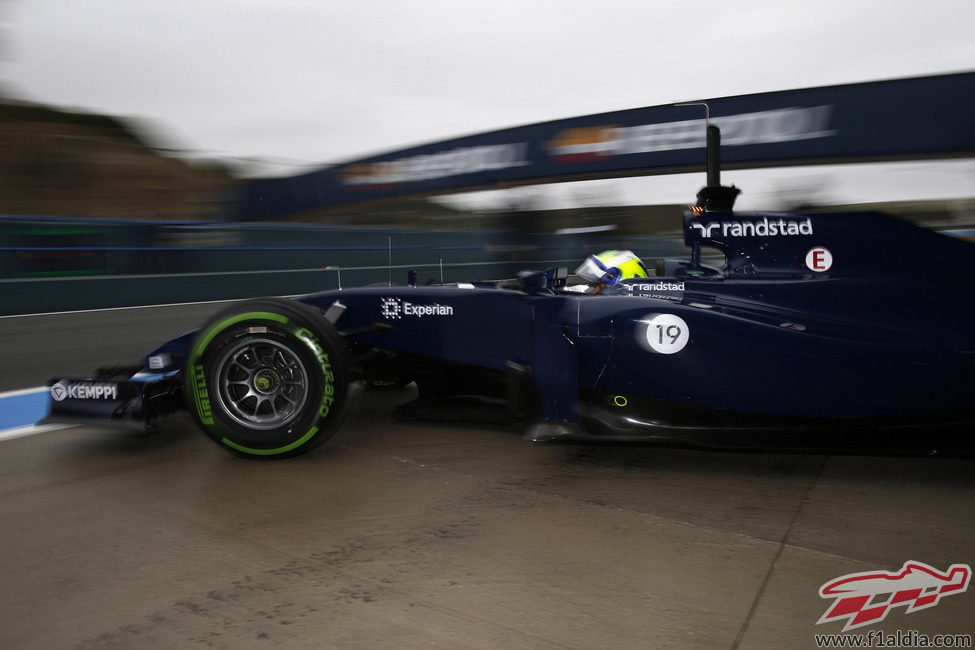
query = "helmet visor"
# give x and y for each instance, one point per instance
(591, 270)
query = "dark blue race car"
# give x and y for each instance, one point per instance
(849, 331)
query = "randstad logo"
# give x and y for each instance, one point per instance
(765, 227)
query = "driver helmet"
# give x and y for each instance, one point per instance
(609, 267)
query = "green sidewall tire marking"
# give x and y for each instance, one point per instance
(201, 395)
(224, 324)
(271, 452)
(201, 398)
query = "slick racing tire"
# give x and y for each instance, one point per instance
(267, 378)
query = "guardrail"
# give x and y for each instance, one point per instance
(49, 264)
(43, 295)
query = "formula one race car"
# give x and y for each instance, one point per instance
(841, 331)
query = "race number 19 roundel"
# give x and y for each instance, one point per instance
(667, 333)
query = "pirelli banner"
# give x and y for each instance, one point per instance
(924, 117)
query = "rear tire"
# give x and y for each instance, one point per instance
(267, 378)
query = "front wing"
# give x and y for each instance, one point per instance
(138, 402)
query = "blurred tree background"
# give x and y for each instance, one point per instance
(58, 162)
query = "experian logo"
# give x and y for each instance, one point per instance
(766, 227)
(396, 308)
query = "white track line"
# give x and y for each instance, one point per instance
(92, 311)
(25, 391)
(30, 430)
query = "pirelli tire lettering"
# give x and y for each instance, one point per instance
(267, 378)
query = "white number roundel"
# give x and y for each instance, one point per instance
(819, 259)
(667, 333)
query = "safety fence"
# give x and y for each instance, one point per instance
(66, 264)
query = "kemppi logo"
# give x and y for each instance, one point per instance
(83, 390)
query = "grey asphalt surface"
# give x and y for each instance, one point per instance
(409, 535)
(39, 347)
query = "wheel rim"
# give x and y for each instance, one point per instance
(262, 383)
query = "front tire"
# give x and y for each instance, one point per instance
(267, 378)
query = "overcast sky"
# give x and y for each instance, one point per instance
(315, 81)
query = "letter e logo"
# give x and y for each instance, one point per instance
(819, 259)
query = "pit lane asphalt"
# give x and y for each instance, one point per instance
(408, 535)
